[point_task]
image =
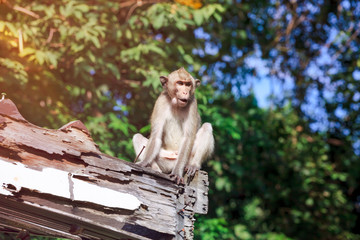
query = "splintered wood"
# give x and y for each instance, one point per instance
(57, 183)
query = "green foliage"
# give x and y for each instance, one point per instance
(272, 175)
(273, 179)
(216, 228)
(12, 70)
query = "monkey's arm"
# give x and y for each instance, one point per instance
(183, 157)
(203, 148)
(187, 142)
(153, 147)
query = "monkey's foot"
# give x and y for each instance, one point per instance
(143, 164)
(176, 178)
(191, 170)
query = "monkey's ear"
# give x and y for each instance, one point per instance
(163, 80)
(197, 82)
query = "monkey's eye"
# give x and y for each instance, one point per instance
(188, 84)
(179, 83)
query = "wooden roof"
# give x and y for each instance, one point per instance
(57, 183)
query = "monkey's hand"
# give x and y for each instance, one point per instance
(191, 170)
(176, 178)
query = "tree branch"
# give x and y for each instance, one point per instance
(21, 9)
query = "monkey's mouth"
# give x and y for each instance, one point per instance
(183, 100)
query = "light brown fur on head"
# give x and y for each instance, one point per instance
(180, 86)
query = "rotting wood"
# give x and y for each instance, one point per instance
(59, 184)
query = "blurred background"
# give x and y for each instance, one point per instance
(280, 85)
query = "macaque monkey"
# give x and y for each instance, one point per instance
(177, 142)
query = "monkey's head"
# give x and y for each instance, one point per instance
(180, 86)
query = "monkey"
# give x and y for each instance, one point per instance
(177, 142)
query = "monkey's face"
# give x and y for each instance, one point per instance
(183, 92)
(180, 86)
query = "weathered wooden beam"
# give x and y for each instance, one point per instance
(58, 183)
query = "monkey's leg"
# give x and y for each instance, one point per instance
(155, 166)
(139, 143)
(202, 149)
